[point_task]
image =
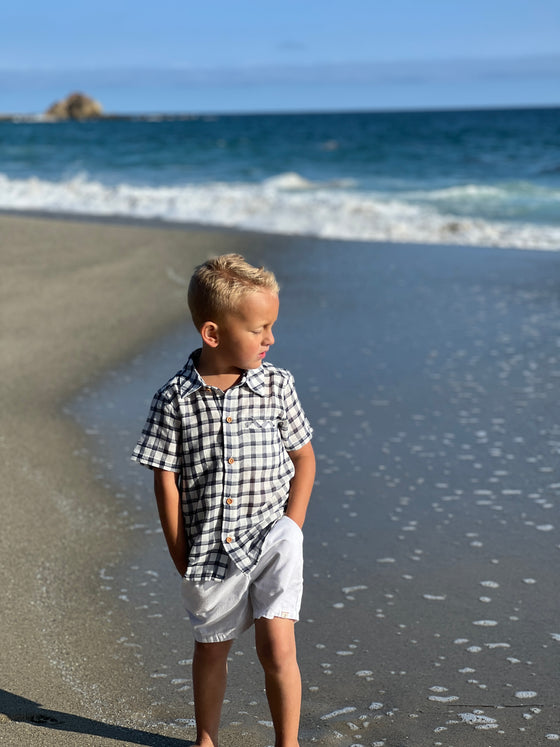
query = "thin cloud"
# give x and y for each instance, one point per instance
(405, 72)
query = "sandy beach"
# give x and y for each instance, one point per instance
(431, 377)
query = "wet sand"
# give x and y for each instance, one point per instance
(430, 374)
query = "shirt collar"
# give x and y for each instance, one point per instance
(254, 379)
(191, 381)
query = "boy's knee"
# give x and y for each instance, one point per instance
(276, 648)
(275, 659)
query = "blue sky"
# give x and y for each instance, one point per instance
(288, 55)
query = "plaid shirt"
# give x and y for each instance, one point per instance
(231, 452)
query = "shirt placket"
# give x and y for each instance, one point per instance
(231, 468)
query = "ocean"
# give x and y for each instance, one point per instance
(486, 178)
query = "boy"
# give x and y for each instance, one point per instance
(234, 468)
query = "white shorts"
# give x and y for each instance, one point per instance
(222, 610)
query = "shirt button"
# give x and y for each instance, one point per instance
(231, 460)
(229, 539)
(229, 420)
(229, 501)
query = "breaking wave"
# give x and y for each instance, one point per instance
(290, 204)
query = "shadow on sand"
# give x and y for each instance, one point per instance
(14, 708)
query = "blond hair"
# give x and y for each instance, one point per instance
(218, 285)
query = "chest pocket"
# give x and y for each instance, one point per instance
(262, 443)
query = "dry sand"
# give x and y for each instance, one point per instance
(430, 613)
(76, 298)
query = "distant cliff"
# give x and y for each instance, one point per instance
(75, 106)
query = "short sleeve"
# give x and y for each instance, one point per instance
(160, 443)
(294, 427)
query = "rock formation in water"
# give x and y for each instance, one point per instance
(75, 106)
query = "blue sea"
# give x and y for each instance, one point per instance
(489, 178)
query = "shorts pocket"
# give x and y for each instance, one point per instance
(289, 530)
(286, 518)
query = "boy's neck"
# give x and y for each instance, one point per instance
(215, 373)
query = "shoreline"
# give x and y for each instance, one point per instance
(160, 223)
(85, 299)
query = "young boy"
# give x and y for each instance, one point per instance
(233, 464)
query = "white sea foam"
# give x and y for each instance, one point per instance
(287, 204)
(339, 712)
(477, 718)
(352, 589)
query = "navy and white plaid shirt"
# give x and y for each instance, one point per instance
(231, 451)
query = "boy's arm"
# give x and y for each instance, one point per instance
(168, 500)
(302, 482)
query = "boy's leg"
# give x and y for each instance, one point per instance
(209, 672)
(276, 649)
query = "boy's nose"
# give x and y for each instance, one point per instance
(270, 339)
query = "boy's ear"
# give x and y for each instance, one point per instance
(209, 334)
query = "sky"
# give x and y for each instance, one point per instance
(181, 56)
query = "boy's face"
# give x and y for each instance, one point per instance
(246, 336)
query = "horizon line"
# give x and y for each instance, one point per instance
(41, 117)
